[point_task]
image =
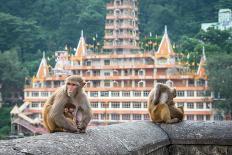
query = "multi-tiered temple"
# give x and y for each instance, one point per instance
(119, 79)
(121, 29)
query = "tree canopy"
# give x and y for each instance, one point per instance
(30, 27)
(219, 68)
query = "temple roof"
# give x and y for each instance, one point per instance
(165, 49)
(15, 110)
(43, 68)
(81, 48)
(201, 68)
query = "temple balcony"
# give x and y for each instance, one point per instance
(121, 26)
(121, 36)
(121, 47)
(122, 16)
(123, 6)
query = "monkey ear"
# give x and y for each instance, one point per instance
(83, 84)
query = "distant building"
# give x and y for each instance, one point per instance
(119, 78)
(224, 21)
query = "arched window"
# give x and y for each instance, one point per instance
(141, 83)
(115, 84)
(141, 72)
(133, 22)
(115, 72)
(88, 84)
(87, 73)
(117, 12)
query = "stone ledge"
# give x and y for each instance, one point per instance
(126, 138)
(190, 132)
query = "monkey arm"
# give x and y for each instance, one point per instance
(155, 94)
(83, 114)
(57, 113)
(62, 122)
(87, 117)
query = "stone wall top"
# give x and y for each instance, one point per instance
(125, 138)
(206, 132)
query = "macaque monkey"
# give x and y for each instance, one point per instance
(56, 113)
(161, 106)
(162, 93)
(69, 111)
(176, 112)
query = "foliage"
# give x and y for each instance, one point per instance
(222, 40)
(150, 43)
(21, 34)
(12, 74)
(181, 17)
(30, 27)
(219, 68)
(4, 121)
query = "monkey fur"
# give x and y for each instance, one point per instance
(57, 119)
(176, 112)
(161, 106)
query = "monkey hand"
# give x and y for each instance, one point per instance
(82, 131)
(81, 127)
(72, 131)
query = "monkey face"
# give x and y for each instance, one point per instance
(71, 89)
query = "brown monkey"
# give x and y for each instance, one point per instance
(176, 112)
(161, 106)
(162, 93)
(54, 109)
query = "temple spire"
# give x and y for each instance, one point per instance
(81, 48)
(165, 49)
(43, 68)
(201, 68)
(82, 33)
(165, 29)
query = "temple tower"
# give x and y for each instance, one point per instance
(121, 28)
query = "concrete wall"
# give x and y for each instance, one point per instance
(185, 138)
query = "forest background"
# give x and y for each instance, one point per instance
(28, 28)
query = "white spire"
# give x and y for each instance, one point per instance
(165, 29)
(201, 68)
(203, 53)
(165, 48)
(43, 55)
(43, 68)
(82, 33)
(81, 47)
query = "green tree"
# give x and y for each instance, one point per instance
(187, 44)
(214, 36)
(4, 121)
(219, 68)
(23, 34)
(12, 75)
(216, 40)
(224, 4)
